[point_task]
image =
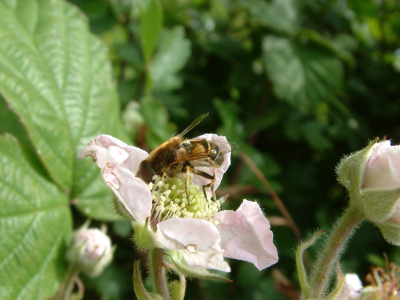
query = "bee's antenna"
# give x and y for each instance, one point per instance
(194, 124)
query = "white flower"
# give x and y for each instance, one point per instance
(201, 233)
(352, 287)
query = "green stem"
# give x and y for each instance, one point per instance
(67, 285)
(344, 228)
(158, 273)
(301, 270)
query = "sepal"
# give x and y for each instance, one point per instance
(390, 232)
(180, 263)
(121, 210)
(379, 204)
(351, 169)
(144, 237)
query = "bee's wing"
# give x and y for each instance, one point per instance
(226, 147)
(194, 124)
(197, 153)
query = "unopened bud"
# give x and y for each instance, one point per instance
(372, 178)
(90, 250)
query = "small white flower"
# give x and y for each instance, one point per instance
(352, 287)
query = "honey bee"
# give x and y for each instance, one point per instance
(179, 155)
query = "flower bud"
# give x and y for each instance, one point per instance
(372, 178)
(89, 250)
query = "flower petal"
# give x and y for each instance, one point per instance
(246, 235)
(105, 143)
(383, 167)
(224, 146)
(197, 240)
(133, 193)
(352, 287)
(119, 163)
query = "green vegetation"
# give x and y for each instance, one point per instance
(295, 84)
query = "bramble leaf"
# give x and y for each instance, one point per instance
(302, 74)
(56, 76)
(35, 220)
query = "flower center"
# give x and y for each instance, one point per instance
(170, 200)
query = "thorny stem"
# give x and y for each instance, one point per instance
(334, 246)
(158, 273)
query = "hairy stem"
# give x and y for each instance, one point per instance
(158, 273)
(67, 285)
(334, 246)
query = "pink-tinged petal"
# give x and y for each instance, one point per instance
(224, 146)
(197, 240)
(383, 167)
(119, 163)
(132, 192)
(246, 235)
(133, 157)
(97, 153)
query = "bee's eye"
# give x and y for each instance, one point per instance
(180, 152)
(214, 152)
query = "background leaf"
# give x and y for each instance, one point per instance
(303, 74)
(35, 220)
(172, 55)
(57, 77)
(151, 21)
(279, 15)
(156, 117)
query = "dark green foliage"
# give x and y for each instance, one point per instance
(296, 84)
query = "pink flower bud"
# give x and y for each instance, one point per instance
(90, 250)
(372, 177)
(383, 167)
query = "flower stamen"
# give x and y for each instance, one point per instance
(169, 200)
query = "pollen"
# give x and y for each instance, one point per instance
(170, 201)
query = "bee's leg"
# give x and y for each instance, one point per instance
(208, 176)
(187, 170)
(163, 176)
(211, 186)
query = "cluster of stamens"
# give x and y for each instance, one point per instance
(170, 200)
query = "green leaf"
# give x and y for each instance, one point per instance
(156, 118)
(35, 220)
(10, 123)
(231, 128)
(313, 132)
(302, 74)
(172, 55)
(151, 20)
(56, 76)
(279, 15)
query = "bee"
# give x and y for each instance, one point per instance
(179, 155)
